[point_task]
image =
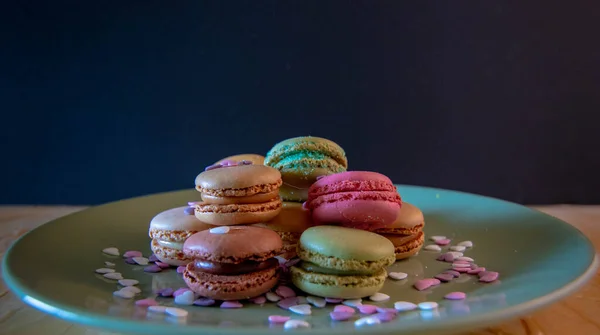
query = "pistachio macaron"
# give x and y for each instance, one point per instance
(301, 160)
(234, 194)
(341, 262)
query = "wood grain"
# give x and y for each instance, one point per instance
(577, 314)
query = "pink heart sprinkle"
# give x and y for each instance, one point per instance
(146, 302)
(152, 268)
(278, 318)
(476, 271)
(344, 309)
(462, 270)
(180, 291)
(285, 292)
(441, 257)
(231, 304)
(333, 300)
(443, 242)
(483, 273)
(461, 262)
(455, 274)
(386, 310)
(449, 257)
(132, 253)
(162, 265)
(445, 277)
(426, 283)
(340, 316)
(455, 296)
(287, 302)
(385, 317)
(204, 302)
(181, 269)
(474, 266)
(152, 258)
(367, 309)
(489, 277)
(259, 300)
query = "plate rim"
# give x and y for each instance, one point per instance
(98, 321)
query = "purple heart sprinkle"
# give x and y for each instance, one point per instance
(231, 304)
(340, 316)
(130, 261)
(287, 302)
(258, 300)
(386, 310)
(204, 302)
(212, 167)
(162, 265)
(181, 269)
(334, 300)
(189, 210)
(152, 258)
(153, 268)
(167, 292)
(445, 277)
(385, 317)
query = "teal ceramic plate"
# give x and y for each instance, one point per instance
(540, 259)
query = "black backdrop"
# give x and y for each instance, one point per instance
(103, 100)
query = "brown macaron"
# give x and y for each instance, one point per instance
(406, 232)
(290, 223)
(238, 194)
(232, 263)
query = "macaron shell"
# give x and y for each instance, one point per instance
(292, 218)
(306, 144)
(175, 219)
(333, 286)
(167, 255)
(254, 158)
(236, 287)
(410, 221)
(237, 214)
(241, 180)
(406, 245)
(240, 243)
(358, 214)
(351, 180)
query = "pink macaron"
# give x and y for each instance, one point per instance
(357, 199)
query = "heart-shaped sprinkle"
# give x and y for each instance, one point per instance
(133, 289)
(111, 251)
(188, 211)
(113, 275)
(456, 254)
(165, 292)
(176, 312)
(437, 238)
(403, 306)
(488, 276)
(162, 265)
(465, 259)
(219, 230)
(109, 264)
(455, 296)
(140, 260)
(185, 298)
(278, 318)
(152, 268)
(340, 316)
(367, 309)
(428, 305)
(476, 271)
(259, 300)
(367, 321)
(397, 275)
(287, 302)
(344, 309)
(303, 309)
(294, 324)
(180, 290)
(426, 283)
(352, 302)
(455, 274)
(212, 167)
(467, 244)
(445, 277)
(379, 297)
(433, 247)
(333, 300)
(130, 261)
(461, 265)
(285, 292)
(386, 310)
(128, 282)
(146, 302)
(444, 241)
(316, 301)
(204, 302)
(157, 309)
(231, 304)
(104, 270)
(152, 258)
(124, 294)
(181, 269)
(461, 270)
(458, 248)
(132, 253)
(386, 316)
(272, 297)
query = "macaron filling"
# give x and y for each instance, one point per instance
(218, 268)
(349, 196)
(312, 267)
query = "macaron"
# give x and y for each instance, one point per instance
(301, 160)
(254, 158)
(406, 233)
(290, 223)
(169, 230)
(357, 199)
(238, 194)
(340, 262)
(232, 263)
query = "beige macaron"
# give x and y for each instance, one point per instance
(406, 233)
(169, 230)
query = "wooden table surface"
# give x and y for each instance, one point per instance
(577, 314)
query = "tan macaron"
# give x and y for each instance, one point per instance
(169, 230)
(254, 158)
(406, 233)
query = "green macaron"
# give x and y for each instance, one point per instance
(340, 262)
(301, 160)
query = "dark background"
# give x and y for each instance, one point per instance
(108, 100)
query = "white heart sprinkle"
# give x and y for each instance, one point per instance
(460, 265)
(316, 301)
(113, 275)
(398, 275)
(111, 251)
(428, 305)
(367, 320)
(128, 282)
(464, 258)
(379, 297)
(219, 230)
(141, 260)
(109, 264)
(176, 312)
(456, 254)
(133, 289)
(437, 238)
(301, 309)
(293, 324)
(403, 306)
(104, 270)
(185, 298)
(157, 309)
(272, 297)
(467, 244)
(123, 294)
(433, 247)
(352, 302)
(459, 248)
